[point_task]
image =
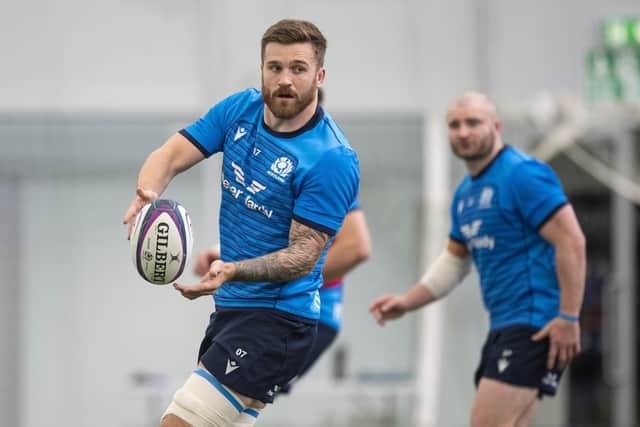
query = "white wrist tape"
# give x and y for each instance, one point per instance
(445, 273)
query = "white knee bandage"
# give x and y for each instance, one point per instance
(445, 273)
(204, 402)
(247, 418)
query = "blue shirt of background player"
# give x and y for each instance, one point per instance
(498, 215)
(269, 178)
(331, 296)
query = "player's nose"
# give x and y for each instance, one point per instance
(285, 79)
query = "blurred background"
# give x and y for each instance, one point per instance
(89, 88)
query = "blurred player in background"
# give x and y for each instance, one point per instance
(289, 177)
(350, 247)
(511, 216)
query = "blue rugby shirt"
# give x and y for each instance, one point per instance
(269, 178)
(498, 215)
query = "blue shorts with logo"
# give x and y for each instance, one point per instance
(256, 351)
(326, 335)
(509, 356)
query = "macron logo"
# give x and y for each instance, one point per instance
(240, 132)
(232, 365)
(503, 362)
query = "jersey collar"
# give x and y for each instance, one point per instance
(317, 116)
(486, 168)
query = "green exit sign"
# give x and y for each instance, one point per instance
(619, 32)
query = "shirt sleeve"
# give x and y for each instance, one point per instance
(208, 132)
(537, 192)
(454, 233)
(328, 191)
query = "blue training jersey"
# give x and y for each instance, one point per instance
(498, 215)
(269, 178)
(331, 305)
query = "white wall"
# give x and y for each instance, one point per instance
(89, 323)
(116, 55)
(160, 55)
(144, 55)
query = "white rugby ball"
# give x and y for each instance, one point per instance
(161, 241)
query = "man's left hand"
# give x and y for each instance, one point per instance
(564, 341)
(219, 273)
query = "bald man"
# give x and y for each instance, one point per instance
(511, 218)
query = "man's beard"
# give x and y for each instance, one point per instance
(484, 149)
(290, 109)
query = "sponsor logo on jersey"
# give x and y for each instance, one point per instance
(239, 173)
(248, 201)
(470, 231)
(255, 186)
(254, 206)
(484, 242)
(236, 192)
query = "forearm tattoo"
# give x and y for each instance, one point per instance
(295, 261)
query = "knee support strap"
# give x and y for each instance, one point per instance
(204, 402)
(247, 418)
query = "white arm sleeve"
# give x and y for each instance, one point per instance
(445, 273)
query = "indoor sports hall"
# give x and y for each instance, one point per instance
(89, 88)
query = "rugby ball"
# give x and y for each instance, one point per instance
(161, 241)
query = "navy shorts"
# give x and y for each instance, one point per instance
(509, 356)
(256, 351)
(326, 336)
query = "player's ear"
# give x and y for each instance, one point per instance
(320, 76)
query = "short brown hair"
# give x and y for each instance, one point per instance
(290, 31)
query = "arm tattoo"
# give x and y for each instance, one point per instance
(293, 262)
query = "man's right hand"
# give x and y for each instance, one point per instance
(143, 197)
(204, 259)
(388, 307)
